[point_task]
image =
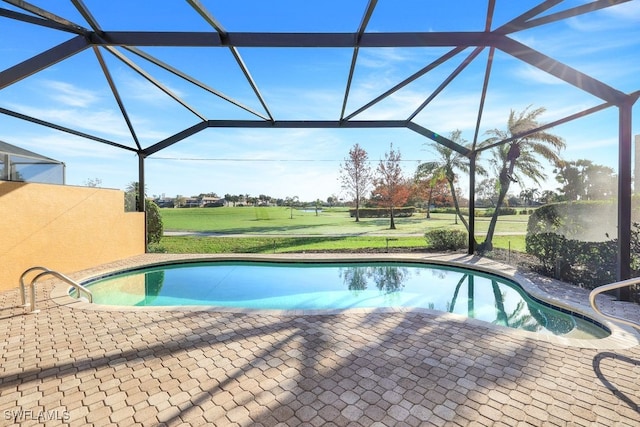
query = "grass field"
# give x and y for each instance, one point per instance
(278, 229)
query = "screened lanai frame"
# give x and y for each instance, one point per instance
(102, 40)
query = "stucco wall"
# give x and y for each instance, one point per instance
(63, 228)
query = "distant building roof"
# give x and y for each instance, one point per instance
(7, 148)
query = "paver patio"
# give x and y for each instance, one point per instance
(83, 365)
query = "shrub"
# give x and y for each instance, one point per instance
(156, 248)
(450, 210)
(588, 264)
(382, 212)
(558, 234)
(548, 248)
(502, 211)
(446, 240)
(155, 228)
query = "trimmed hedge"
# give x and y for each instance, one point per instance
(558, 234)
(446, 240)
(383, 212)
(502, 211)
(589, 264)
(450, 210)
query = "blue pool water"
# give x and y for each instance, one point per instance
(292, 286)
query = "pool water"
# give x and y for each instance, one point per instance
(304, 286)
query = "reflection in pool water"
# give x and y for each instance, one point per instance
(271, 285)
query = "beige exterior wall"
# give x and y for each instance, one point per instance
(63, 228)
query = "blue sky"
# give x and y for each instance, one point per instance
(302, 84)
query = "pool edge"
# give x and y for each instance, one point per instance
(620, 338)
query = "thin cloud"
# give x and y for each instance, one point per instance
(259, 145)
(99, 122)
(386, 57)
(531, 74)
(317, 104)
(581, 147)
(68, 94)
(629, 12)
(615, 17)
(65, 147)
(141, 90)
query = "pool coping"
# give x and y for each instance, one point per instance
(622, 337)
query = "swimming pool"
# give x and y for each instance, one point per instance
(341, 285)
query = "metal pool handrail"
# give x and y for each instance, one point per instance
(23, 295)
(46, 271)
(610, 287)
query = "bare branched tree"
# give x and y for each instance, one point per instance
(356, 176)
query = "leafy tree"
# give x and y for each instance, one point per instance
(446, 166)
(131, 195)
(440, 194)
(520, 157)
(487, 192)
(291, 201)
(433, 189)
(549, 196)
(390, 183)
(155, 227)
(201, 195)
(180, 201)
(428, 177)
(584, 180)
(570, 176)
(602, 182)
(528, 195)
(264, 199)
(355, 175)
(93, 182)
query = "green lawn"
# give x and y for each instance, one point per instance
(278, 221)
(264, 244)
(273, 229)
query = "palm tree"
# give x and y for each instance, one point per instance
(520, 157)
(446, 166)
(528, 196)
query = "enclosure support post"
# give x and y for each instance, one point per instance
(141, 196)
(624, 198)
(472, 202)
(141, 184)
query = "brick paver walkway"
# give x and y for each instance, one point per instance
(155, 367)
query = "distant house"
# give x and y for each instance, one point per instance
(18, 164)
(212, 202)
(165, 202)
(191, 202)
